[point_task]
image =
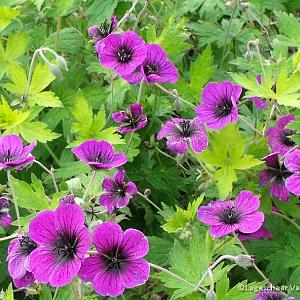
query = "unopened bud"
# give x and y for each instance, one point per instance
(244, 260)
(62, 63)
(245, 5)
(211, 295)
(94, 31)
(56, 71)
(147, 192)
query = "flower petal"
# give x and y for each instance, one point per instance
(247, 202)
(292, 183)
(292, 161)
(90, 267)
(251, 222)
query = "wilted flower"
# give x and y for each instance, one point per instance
(292, 162)
(261, 233)
(132, 120)
(243, 260)
(5, 217)
(219, 106)
(155, 68)
(118, 192)
(99, 155)
(63, 242)
(19, 268)
(272, 295)
(122, 52)
(13, 154)
(229, 216)
(275, 175)
(119, 262)
(279, 136)
(182, 133)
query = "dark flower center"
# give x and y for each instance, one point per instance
(8, 156)
(185, 126)
(285, 137)
(151, 69)
(65, 247)
(124, 55)
(230, 216)
(114, 260)
(132, 120)
(224, 108)
(280, 174)
(119, 190)
(27, 244)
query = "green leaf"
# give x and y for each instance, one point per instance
(225, 178)
(45, 293)
(6, 16)
(105, 7)
(16, 45)
(9, 293)
(159, 250)
(24, 221)
(70, 169)
(46, 99)
(30, 196)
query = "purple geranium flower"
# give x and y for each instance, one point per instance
(63, 242)
(230, 216)
(156, 68)
(132, 120)
(122, 52)
(279, 136)
(275, 175)
(99, 155)
(259, 102)
(119, 262)
(292, 162)
(261, 233)
(13, 154)
(19, 268)
(182, 133)
(219, 106)
(5, 217)
(272, 295)
(118, 192)
(69, 199)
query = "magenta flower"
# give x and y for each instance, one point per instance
(63, 242)
(118, 192)
(5, 217)
(292, 162)
(122, 52)
(69, 199)
(272, 295)
(219, 106)
(260, 103)
(119, 262)
(279, 136)
(132, 120)
(19, 268)
(13, 154)
(182, 133)
(275, 176)
(229, 216)
(155, 68)
(261, 233)
(105, 29)
(99, 155)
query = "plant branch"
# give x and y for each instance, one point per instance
(128, 13)
(50, 172)
(88, 189)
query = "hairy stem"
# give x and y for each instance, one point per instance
(140, 91)
(52, 154)
(128, 13)
(249, 125)
(10, 237)
(50, 172)
(140, 15)
(55, 294)
(149, 201)
(88, 189)
(31, 68)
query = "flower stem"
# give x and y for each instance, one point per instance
(36, 52)
(129, 142)
(140, 15)
(287, 219)
(269, 115)
(175, 276)
(52, 154)
(10, 237)
(128, 13)
(249, 125)
(9, 178)
(174, 95)
(86, 193)
(140, 91)
(50, 172)
(55, 293)
(254, 265)
(112, 96)
(149, 201)
(201, 163)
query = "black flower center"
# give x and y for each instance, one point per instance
(185, 126)
(280, 174)
(230, 216)
(124, 55)
(224, 108)
(115, 260)
(119, 190)
(8, 156)
(27, 244)
(65, 247)
(285, 138)
(151, 69)
(132, 120)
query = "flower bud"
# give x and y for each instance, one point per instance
(147, 192)
(244, 260)
(94, 31)
(56, 71)
(62, 63)
(211, 295)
